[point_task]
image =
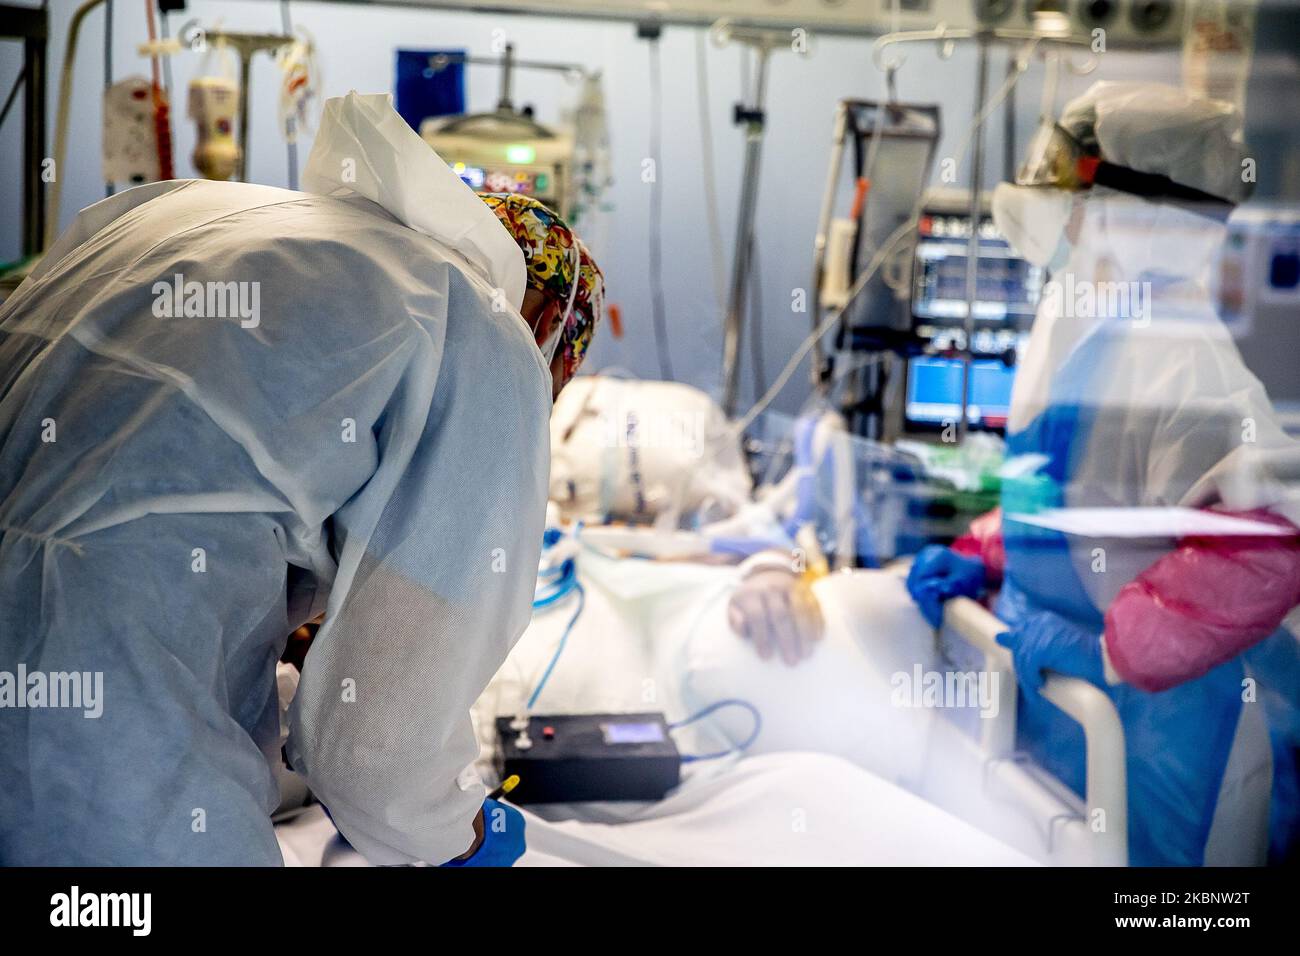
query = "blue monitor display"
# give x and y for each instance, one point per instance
(934, 391)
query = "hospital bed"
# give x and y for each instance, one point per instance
(1049, 819)
(780, 806)
(788, 809)
(897, 787)
(669, 619)
(922, 791)
(1052, 822)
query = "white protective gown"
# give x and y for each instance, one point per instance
(179, 491)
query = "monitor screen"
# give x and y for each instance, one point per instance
(632, 733)
(1006, 286)
(934, 391)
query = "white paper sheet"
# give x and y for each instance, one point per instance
(1147, 523)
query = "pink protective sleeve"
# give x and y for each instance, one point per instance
(984, 541)
(1201, 605)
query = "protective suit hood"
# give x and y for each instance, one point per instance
(365, 148)
(1157, 128)
(1165, 251)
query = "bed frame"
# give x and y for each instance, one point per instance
(1093, 831)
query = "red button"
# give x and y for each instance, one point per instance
(548, 733)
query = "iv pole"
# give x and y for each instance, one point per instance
(947, 38)
(246, 45)
(509, 63)
(752, 117)
(973, 243)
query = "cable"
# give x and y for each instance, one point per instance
(109, 187)
(829, 322)
(291, 122)
(756, 320)
(717, 705)
(564, 639)
(164, 28)
(162, 121)
(656, 216)
(108, 43)
(708, 170)
(13, 94)
(567, 574)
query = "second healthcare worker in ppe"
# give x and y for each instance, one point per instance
(224, 410)
(1131, 393)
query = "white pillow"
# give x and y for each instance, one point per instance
(839, 701)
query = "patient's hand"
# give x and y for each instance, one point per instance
(775, 609)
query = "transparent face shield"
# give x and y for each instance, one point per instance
(1057, 159)
(1053, 159)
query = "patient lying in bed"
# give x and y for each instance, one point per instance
(654, 636)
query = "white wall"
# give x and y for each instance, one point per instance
(356, 48)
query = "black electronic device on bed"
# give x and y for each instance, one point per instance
(570, 758)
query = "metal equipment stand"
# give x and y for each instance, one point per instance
(752, 118)
(867, 124)
(246, 45)
(973, 243)
(31, 25)
(509, 63)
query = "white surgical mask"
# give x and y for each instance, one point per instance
(1033, 220)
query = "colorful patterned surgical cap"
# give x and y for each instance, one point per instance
(549, 246)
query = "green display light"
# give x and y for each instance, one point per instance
(520, 153)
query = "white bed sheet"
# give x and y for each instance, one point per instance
(645, 626)
(785, 809)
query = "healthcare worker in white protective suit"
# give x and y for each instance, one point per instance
(225, 409)
(1131, 393)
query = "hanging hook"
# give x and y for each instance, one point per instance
(877, 54)
(192, 35)
(1081, 70)
(1025, 55)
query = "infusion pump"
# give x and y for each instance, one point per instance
(505, 152)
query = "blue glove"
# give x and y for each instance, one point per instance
(1177, 741)
(503, 837)
(1043, 640)
(940, 573)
